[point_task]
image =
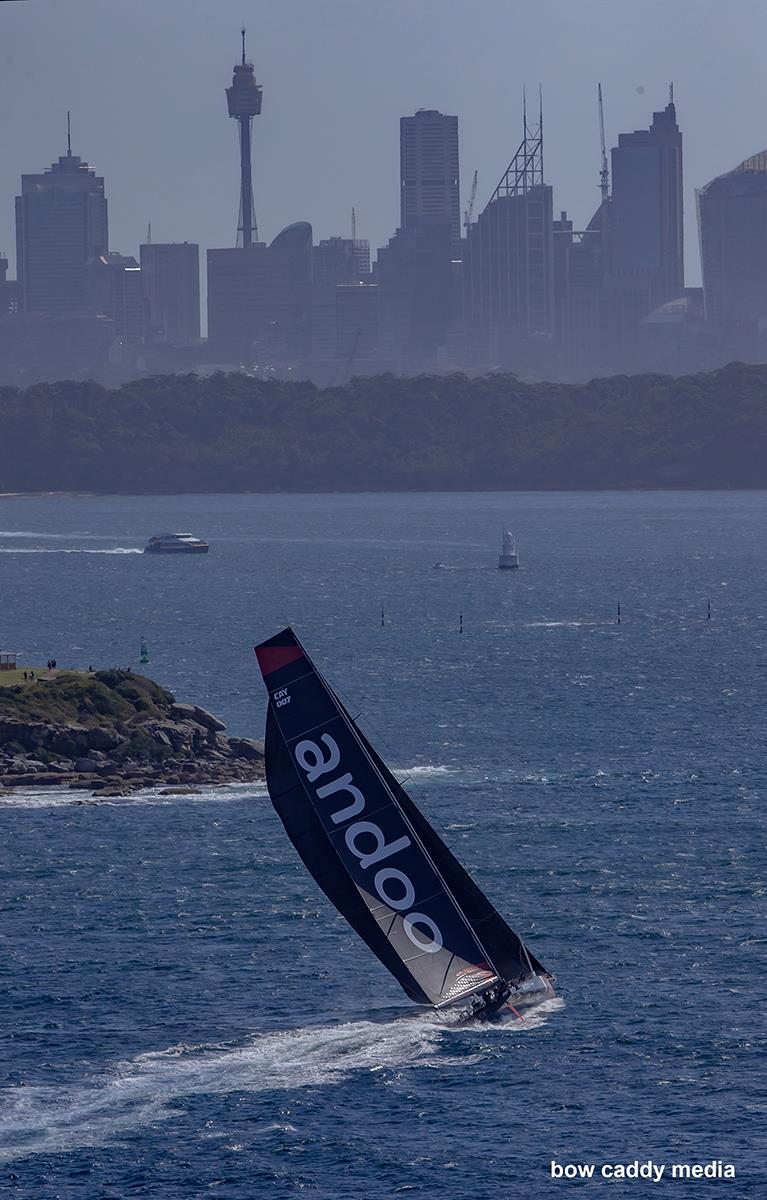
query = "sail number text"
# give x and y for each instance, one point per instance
(392, 885)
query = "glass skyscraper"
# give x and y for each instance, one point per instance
(61, 223)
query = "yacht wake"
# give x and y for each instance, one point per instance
(45, 1120)
(427, 771)
(152, 1087)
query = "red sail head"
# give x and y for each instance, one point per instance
(273, 658)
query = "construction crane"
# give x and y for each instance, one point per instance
(604, 174)
(604, 188)
(469, 212)
(352, 353)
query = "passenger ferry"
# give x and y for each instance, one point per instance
(175, 543)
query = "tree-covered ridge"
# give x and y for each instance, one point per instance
(233, 433)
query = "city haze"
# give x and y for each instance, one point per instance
(145, 85)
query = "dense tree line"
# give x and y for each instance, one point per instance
(233, 433)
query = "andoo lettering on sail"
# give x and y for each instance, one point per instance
(370, 849)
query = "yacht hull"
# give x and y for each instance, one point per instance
(176, 550)
(523, 1000)
(519, 1004)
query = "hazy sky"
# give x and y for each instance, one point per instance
(145, 82)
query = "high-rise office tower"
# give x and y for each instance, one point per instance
(357, 321)
(429, 192)
(171, 277)
(646, 212)
(259, 297)
(334, 260)
(732, 225)
(509, 257)
(61, 222)
(243, 99)
(414, 270)
(9, 291)
(114, 289)
(579, 296)
(415, 279)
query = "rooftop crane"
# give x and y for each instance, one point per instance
(469, 212)
(604, 188)
(604, 174)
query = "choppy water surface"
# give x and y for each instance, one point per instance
(183, 1015)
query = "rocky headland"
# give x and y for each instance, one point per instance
(113, 732)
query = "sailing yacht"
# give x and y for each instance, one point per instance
(378, 859)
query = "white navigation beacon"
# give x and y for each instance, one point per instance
(508, 558)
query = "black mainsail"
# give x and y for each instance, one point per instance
(371, 850)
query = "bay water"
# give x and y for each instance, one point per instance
(183, 1014)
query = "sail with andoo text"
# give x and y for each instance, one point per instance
(371, 850)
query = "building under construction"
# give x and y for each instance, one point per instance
(508, 268)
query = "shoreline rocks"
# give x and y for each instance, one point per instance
(115, 732)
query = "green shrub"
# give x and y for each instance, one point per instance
(113, 677)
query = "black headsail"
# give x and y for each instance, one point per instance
(370, 849)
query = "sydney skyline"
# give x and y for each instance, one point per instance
(145, 86)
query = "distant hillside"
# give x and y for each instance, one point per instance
(230, 433)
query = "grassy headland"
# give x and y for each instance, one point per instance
(18, 676)
(86, 698)
(232, 433)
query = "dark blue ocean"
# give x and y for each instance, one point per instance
(183, 1015)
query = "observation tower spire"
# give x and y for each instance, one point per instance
(244, 102)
